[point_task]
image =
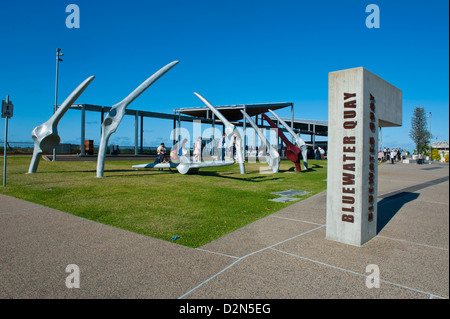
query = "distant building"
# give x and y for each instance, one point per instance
(442, 147)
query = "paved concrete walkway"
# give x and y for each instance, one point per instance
(284, 255)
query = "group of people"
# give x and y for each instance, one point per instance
(222, 146)
(393, 155)
(180, 150)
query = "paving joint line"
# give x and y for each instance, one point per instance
(413, 243)
(296, 220)
(385, 195)
(243, 257)
(357, 273)
(217, 253)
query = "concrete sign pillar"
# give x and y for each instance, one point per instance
(358, 103)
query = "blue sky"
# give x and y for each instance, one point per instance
(231, 52)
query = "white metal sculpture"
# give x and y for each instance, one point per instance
(183, 163)
(272, 157)
(230, 131)
(46, 136)
(157, 165)
(186, 166)
(117, 112)
(298, 140)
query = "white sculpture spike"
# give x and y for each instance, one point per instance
(46, 136)
(298, 140)
(273, 158)
(230, 131)
(117, 112)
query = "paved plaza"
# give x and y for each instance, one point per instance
(284, 255)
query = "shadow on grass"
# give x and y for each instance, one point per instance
(292, 169)
(260, 177)
(126, 171)
(140, 173)
(245, 177)
(218, 173)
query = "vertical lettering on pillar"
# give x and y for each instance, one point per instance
(349, 158)
(372, 158)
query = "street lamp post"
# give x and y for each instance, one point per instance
(55, 107)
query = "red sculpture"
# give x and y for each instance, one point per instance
(293, 153)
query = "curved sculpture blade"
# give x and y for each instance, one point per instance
(46, 136)
(117, 112)
(298, 140)
(184, 165)
(229, 128)
(273, 159)
(230, 131)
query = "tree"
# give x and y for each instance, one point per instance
(435, 155)
(419, 133)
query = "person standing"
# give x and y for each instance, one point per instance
(393, 156)
(322, 153)
(197, 149)
(222, 147)
(182, 151)
(380, 156)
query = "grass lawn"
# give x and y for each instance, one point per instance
(162, 204)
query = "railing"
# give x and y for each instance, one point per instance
(17, 147)
(26, 148)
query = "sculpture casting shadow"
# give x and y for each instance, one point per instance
(292, 169)
(87, 171)
(389, 206)
(254, 179)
